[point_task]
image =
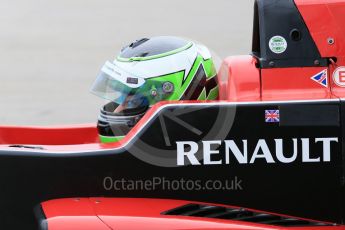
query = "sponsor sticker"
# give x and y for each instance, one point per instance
(132, 80)
(168, 87)
(272, 116)
(321, 78)
(339, 76)
(277, 44)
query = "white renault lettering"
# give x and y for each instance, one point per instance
(217, 152)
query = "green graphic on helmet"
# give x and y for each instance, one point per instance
(148, 71)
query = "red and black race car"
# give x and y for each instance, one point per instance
(269, 154)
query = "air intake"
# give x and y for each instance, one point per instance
(239, 214)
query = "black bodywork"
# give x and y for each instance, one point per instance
(307, 190)
(281, 17)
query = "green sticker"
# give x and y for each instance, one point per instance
(277, 44)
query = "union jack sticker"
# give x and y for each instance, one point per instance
(321, 78)
(272, 116)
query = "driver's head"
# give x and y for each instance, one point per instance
(147, 71)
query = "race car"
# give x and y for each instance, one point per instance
(268, 154)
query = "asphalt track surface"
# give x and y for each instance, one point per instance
(51, 51)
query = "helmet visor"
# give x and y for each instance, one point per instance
(127, 89)
(115, 84)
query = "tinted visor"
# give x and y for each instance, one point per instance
(115, 84)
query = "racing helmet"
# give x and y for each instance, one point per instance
(147, 71)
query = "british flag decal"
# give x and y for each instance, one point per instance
(272, 116)
(321, 78)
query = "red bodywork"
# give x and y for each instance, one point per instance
(130, 214)
(325, 20)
